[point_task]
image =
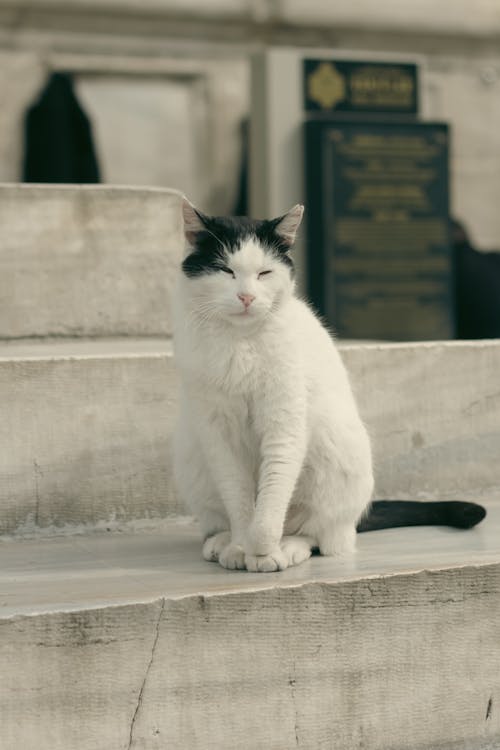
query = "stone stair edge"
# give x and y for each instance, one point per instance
(220, 595)
(30, 532)
(11, 349)
(108, 188)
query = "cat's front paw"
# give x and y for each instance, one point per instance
(260, 541)
(232, 557)
(276, 560)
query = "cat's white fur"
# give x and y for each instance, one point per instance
(270, 453)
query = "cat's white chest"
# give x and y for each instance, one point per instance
(235, 368)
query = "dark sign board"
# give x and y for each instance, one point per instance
(344, 86)
(379, 261)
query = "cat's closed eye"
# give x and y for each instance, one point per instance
(225, 269)
(263, 273)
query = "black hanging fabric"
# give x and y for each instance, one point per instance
(241, 203)
(58, 137)
(477, 276)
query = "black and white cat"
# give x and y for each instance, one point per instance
(270, 453)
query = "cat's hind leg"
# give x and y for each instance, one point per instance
(217, 545)
(213, 545)
(337, 538)
(297, 548)
(335, 512)
(335, 499)
(218, 548)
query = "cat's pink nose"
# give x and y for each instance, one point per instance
(247, 299)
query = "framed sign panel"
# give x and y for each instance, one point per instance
(378, 248)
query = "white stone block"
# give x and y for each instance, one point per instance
(433, 413)
(85, 437)
(87, 261)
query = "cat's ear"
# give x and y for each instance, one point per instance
(193, 221)
(286, 226)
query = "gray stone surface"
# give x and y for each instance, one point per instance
(87, 261)
(85, 432)
(89, 571)
(135, 642)
(21, 76)
(85, 437)
(433, 411)
(449, 17)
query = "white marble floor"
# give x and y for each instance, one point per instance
(75, 572)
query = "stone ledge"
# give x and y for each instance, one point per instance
(91, 571)
(447, 19)
(136, 642)
(424, 16)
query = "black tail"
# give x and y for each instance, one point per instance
(387, 514)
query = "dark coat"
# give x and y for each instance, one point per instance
(477, 276)
(58, 137)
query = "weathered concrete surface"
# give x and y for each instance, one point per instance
(433, 412)
(89, 571)
(85, 438)
(448, 19)
(85, 435)
(397, 650)
(87, 261)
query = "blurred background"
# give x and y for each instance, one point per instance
(159, 92)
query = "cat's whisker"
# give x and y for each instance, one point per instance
(203, 313)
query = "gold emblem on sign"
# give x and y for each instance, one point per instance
(326, 86)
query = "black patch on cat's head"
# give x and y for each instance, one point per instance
(212, 237)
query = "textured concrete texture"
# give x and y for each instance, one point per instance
(85, 432)
(433, 412)
(85, 435)
(115, 251)
(134, 641)
(449, 18)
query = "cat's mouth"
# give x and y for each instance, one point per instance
(245, 312)
(246, 316)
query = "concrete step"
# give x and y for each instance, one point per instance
(87, 260)
(86, 426)
(85, 435)
(133, 641)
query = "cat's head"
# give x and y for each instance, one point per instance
(239, 270)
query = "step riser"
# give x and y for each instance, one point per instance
(433, 411)
(408, 662)
(87, 440)
(92, 261)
